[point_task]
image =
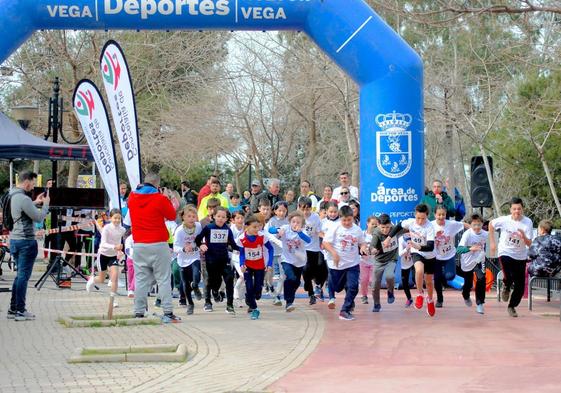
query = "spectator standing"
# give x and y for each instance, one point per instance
(272, 193)
(205, 190)
(187, 194)
(23, 246)
(345, 182)
(438, 197)
(306, 191)
(290, 198)
(254, 198)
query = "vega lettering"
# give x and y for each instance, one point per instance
(72, 11)
(147, 8)
(263, 13)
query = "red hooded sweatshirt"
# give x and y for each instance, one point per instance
(148, 211)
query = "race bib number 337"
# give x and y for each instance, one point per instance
(219, 236)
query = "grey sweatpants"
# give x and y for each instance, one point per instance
(152, 262)
(380, 269)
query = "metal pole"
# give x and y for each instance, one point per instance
(55, 124)
(11, 174)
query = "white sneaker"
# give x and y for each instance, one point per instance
(90, 283)
(130, 294)
(24, 316)
(480, 309)
(109, 283)
(331, 304)
(115, 304)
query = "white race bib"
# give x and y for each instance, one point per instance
(444, 248)
(393, 245)
(418, 239)
(219, 236)
(253, 254)
(513, 240)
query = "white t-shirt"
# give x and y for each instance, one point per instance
(293, 247)
(444, 236)
(237, 233)
(312, 228)
(405, 254)
(347, 242)
(367, 259)
(470, 260)
(129, 243)
(276, 223)
(337, 192)
(326, 225)
(511, 243)
(420, 235)
(183, 237)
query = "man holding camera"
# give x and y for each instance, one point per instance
(23, 245)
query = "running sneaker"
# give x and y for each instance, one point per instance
(419, 302)
(158, 302)
(11, 314)
(468, 302)
(480, 309)
(512, 312)
(170, 318)
(139, 315)
(290, 307)
(377, 308)
(198, 294)
(130, 294)
(90, 284)
(439, 304)
(230, 309)
(24, 316)
(317, 290)
(312, 300)
(408, 303)
(321, 296)
(505, 294)
(364, 300)
(391, 297)
(182, 303)
(431, 310)
(277, 301)
(221, 296)
(249, 310)
(346, 316)
(190, 309)
(208, 307)
(331, 304)
(255, 314)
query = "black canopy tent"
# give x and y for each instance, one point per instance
(18, 144)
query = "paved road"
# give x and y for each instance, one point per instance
(226, 353)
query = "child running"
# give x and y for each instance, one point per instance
(188, 254)
(421, 244)
(367, 261)
(252, 262)
(218, 237)
(280, 210)
(293, 258)
(445, 232)
(331, 219)
(109, 248)
(236, 226)
(472, 251)
(406, 266)
(344, 241)
(385, 260)
(314, 270)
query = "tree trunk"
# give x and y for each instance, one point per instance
(352, 137)
(549, 179)
(73, 172)
(312, 144)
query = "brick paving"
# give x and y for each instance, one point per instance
(226, 353)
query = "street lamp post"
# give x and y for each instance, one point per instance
(55, 122)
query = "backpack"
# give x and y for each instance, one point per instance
(7, 219)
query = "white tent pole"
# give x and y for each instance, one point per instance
(11, 174)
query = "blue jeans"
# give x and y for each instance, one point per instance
(346, 279)
(253, 286)
(24, 253)
(292, 279)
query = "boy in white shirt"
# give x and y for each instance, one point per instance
(472, 251)
(516, 236)
(345, 242)
(421, 232)
(315, 270)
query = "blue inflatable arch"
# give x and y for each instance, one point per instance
(387, 70)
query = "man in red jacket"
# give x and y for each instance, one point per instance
(149, 211)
